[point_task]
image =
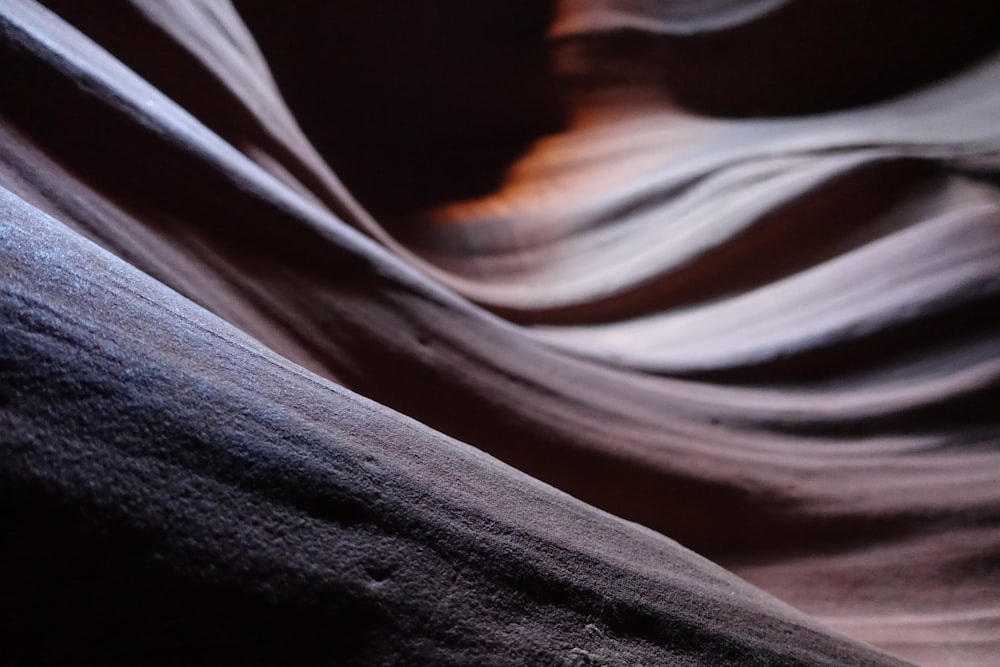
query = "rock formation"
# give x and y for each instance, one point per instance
(614, 332)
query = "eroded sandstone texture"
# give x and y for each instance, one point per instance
(591, 332)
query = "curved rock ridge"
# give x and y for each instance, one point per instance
(278, 285)
(184, 489)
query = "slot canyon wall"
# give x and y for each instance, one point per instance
(589, 332)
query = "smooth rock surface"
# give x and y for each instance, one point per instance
(277, 287)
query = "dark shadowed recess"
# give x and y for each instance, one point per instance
(122, 29)
(808, 56)
(414, 103)
(418, 104)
